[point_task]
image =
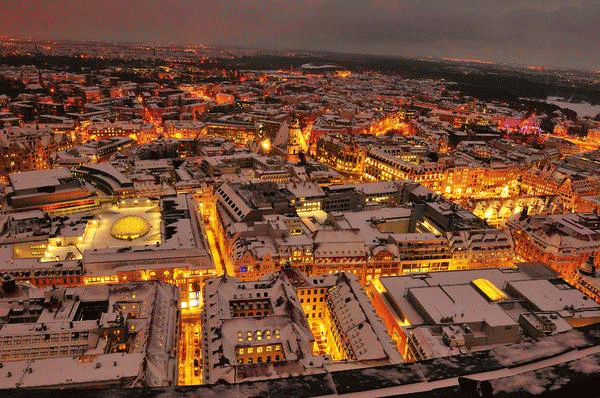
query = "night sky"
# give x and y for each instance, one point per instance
(564, 33)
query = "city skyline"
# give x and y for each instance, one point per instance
(540, 33)
(228, 220)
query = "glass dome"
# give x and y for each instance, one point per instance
(129, 228)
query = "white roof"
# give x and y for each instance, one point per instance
(149, 353)
(305, 190)
(109, 169)
(221, 328)
(70, 370)
(25, 180)
(549, 297)
(26, 215)
(397, 286)
(354, 324)
(461, 302)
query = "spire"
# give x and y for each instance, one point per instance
(296, 142)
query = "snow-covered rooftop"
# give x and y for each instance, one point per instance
(26, 180)
(117, 335)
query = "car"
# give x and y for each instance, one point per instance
(196, 342)
(196, 367)
(197, 351)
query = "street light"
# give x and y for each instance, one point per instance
(266, 145)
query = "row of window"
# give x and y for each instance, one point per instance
(242, 314)
(258, 350)
(43, 352)
(314, 300)
(258, 335)
(250, 305)
(302, 292)
(36, 338)
(259, 359)
(314, 315)
(26, 274)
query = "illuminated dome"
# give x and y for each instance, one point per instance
(129, 228)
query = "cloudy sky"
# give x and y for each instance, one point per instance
(564, 33)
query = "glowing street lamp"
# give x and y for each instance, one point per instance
(266, 145)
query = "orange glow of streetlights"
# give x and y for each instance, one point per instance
(266, 145)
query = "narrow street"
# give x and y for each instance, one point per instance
(215, 251)
(190, 371)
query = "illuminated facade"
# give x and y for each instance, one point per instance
(481, 182)
(246, 333)
(184, 129)
(432, 315)
(295, 142)
(570, 187)
(481, 248)
(412, 254)
(563, 242)
(238, 132)
(253, 255)
(474, 171)
(251, 329)
(335, 305)
(570, 178)
(23, 148)
(140, 133)
(495, 211)
(78, 330)
(426, 233)
(340, 155)
(586, 279)
(105, 248)
(39, 188)
(380, 166)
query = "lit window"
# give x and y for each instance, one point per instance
(241, 351)
(259, 350)
(250, 350)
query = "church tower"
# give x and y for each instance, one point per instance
(296, 142)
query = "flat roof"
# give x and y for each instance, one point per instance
(25, 180)
(396, 286)
(461, 302)
(548, 296)
(68, 370)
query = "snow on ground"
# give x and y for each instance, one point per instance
(527, 351)
(583, 108)
(525, 382)
(587, 365)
